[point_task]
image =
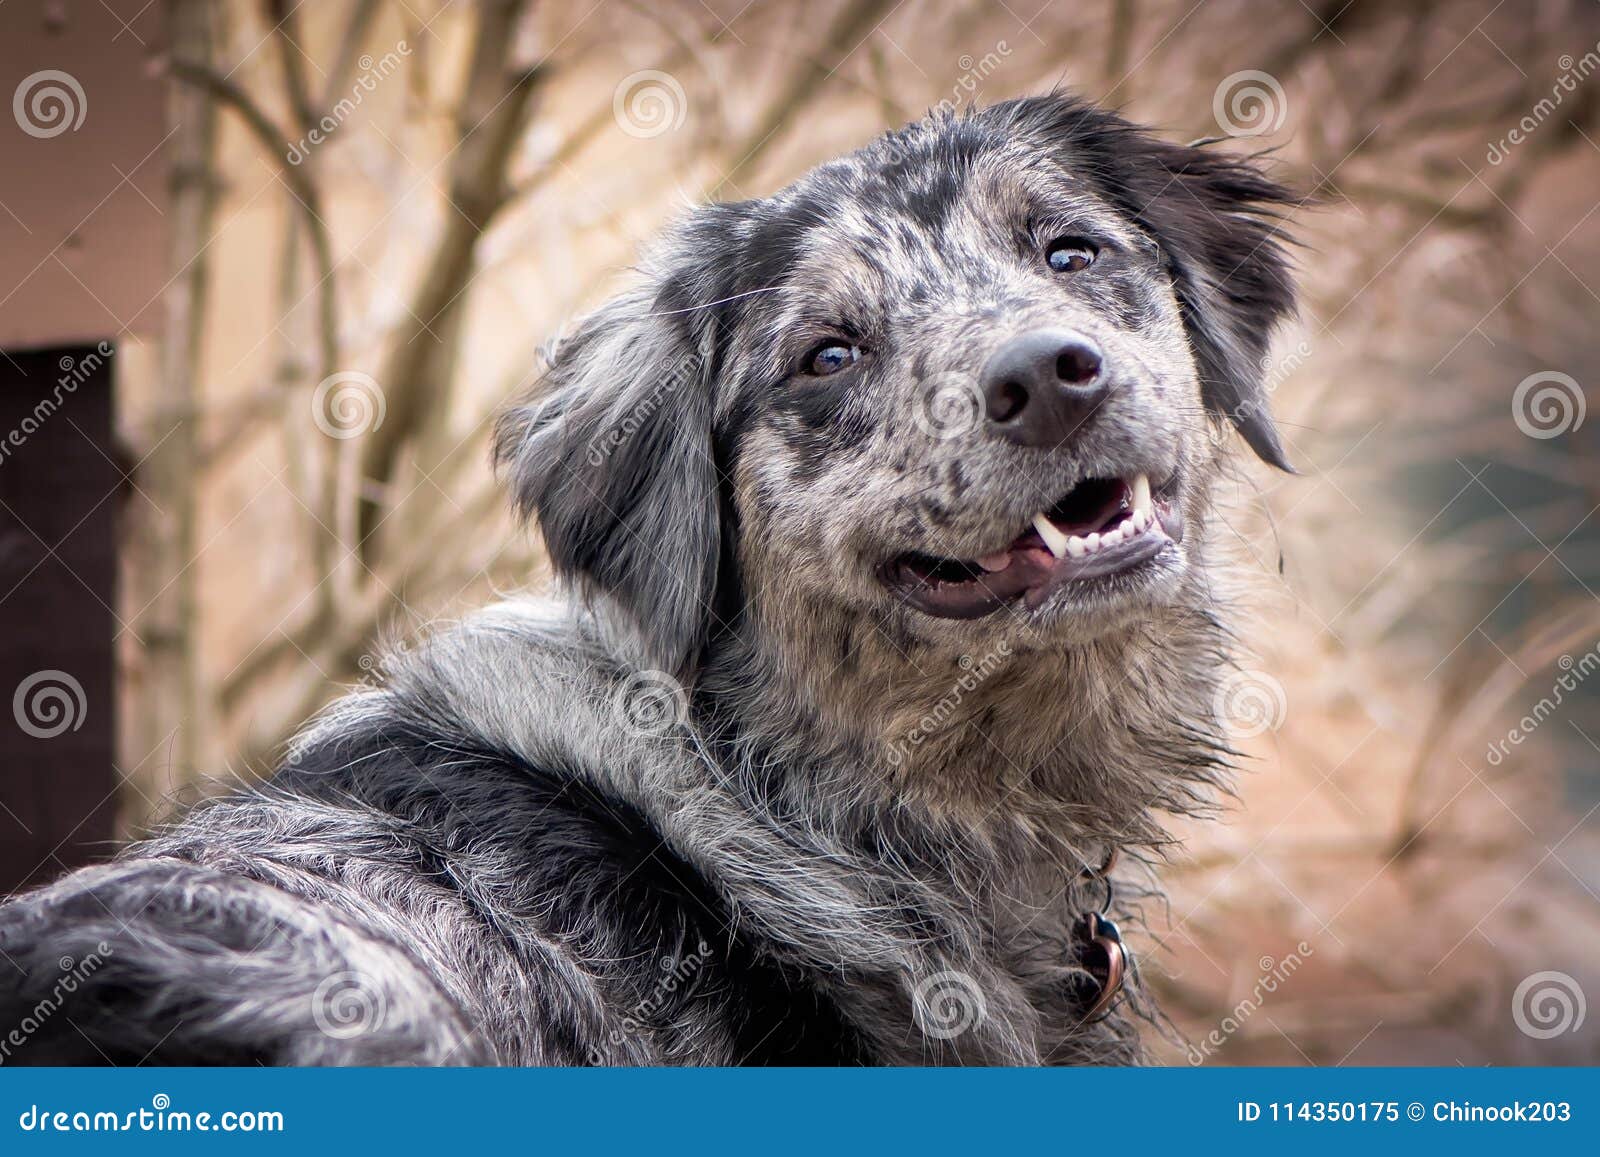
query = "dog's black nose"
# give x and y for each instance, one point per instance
(1041, 387)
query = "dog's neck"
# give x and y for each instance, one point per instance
(1069, 748)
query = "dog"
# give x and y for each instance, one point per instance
(880, 509)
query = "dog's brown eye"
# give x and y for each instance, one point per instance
(830, 358)
(1069, 255)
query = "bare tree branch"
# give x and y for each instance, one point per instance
(273, 139)
(416, 376)
(854, 23)
(284, 19)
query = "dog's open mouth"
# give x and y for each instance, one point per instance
(1101, 527)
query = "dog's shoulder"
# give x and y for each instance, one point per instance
(448, 868)
(531, 760)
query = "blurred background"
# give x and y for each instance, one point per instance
(268, 269)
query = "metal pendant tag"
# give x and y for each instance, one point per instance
(1102, 956)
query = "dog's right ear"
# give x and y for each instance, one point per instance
(1217, 220)
(613, 457)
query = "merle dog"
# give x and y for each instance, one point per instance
(882, 509)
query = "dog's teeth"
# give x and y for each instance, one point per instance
(1141, 520)
(1053, 538)
(1127, 528)
(1076, 547)
(995, 562)
(1141, 493)
(1114, 538)
(1092, 542)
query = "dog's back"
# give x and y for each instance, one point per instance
(475, 865)
(429, 880)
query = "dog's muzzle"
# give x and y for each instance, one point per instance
(1101, 528)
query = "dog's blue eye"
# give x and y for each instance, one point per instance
(1069, 255)
(831, 358)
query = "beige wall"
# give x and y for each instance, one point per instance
(81, 238)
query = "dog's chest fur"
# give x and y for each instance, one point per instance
(661, 884)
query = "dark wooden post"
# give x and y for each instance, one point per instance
(59, 495)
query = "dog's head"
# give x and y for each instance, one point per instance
(966, 378)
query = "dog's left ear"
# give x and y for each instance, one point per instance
(1217, 220)
(613, 456)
